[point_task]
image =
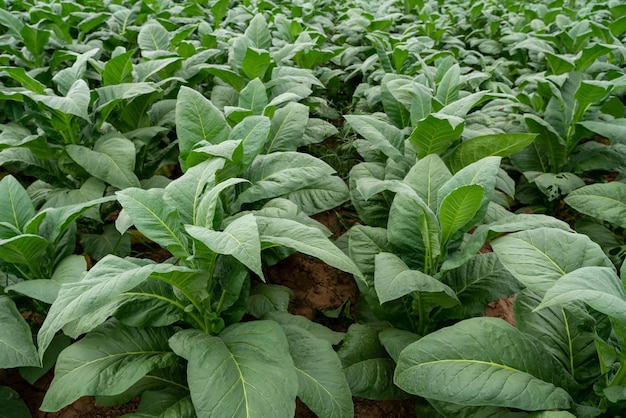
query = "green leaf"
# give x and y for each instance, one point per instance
(556, 185)
(598, 287)
(246, 371)
(565, 333)
(449, 86)
(435, 134)
(321, 387)
(197, 119)
(16, 207)
(112, 160)
(396, 95)
(480, 280)
(16, 341)
(479, 147)
(108, 361)
(382, 136)
(539, 257)
(255, 62)
(279, 173)
(268, 298)
(96, 296)
(427, 176)
(259, 33)
(119, 69)
(481, 361)
(366, 364)
(288, 127)
(393, 279)
(395, 340)
(172, 402)
(69, 270)
(75, 102)
(364, 242)
(253, 97)
(305, 239)
(35, 40)
(458, 208)
(154, 218)
(484, 173)
(153, 37)
(605, 201)
(12, 405)
(240, 239)
(317, 330)
(185, 193)
(28, 82)
(25, 249)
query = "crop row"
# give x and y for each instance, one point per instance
(481, 144)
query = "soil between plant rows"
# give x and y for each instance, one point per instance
(316, 287)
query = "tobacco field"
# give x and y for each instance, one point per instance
(165, 163)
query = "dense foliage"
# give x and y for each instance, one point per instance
(480, 143)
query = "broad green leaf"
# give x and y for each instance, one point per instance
(69, 270)
(268, 298)
(539, 257)
(253, 97)
(427, 176)
(109, 96)
(364, 242)
(12, 405)
(382, 136)
(20, 74)
(484, 173)
(461, 107)
(565, 333)
(605, 201)
(614, 130)
(246, 371)
(210, 202)
(414, 229)
(396, 95)
(16, 207)
(98, 293)
(458, 208)
(448, 88)
(393, 279)
(258, 32)
(118, 70)
(35, 40)
(305, 239)
(109, 360)
(197, 119)
(25, 249)
(112, 160)
(288, 127)
(395, 340)
(151, 304)
(421, 104)
(480, 280)
(75, 102)
(155, 219)
(327, 193)
(253, 132)
(556, 185)
(279, 173)
(185, 192)
(482, 361)
(366, 364)
(474, 149)
(435, 134)
(172, 402)
(16, 341)
(65, 78)
(240, 239)
(548, 143)
(317, 330)
(255, 62)
(153, 37)
(598, 287)
(12, 22)
(374, 210)
(321, 387)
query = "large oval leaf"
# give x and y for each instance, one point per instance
(541, 256)
(245, 372)
(482, 361)
(606, 201)
(108, 361)
(16, 207)
(16, 341)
